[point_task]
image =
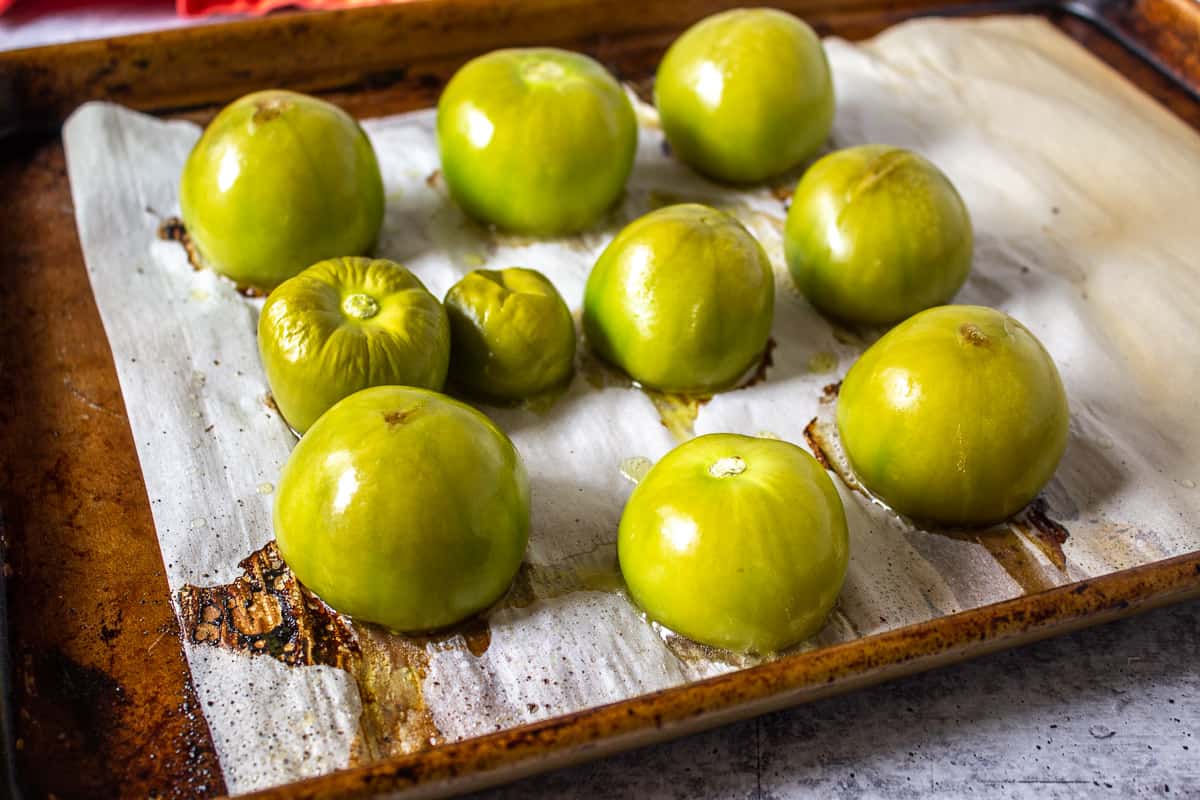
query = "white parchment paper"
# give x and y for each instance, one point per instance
(1085, 197)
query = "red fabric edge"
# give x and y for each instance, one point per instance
(200, 8)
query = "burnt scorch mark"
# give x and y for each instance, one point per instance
(434, 179)
(267, 612)
(172, 229)
(1048, 534)
(765, 362)
(783, 193)
(817, 449)
(829, 393)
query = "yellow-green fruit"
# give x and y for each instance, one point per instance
(512, 335)
(404, 507)
(536, 141)
(682, 300)
(745, 94)
(277, 182)
(875, 234)
(736, 542)
(343, 325)
(956, 416)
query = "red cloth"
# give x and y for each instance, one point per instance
(188, 8)
(198, 8)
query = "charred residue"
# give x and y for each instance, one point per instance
(172, 229)
(1048, 534)
(267, 612)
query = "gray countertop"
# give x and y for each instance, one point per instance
(1112, 711)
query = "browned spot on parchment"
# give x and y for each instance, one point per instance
(172, 229)
(433, 179)
(815, 446)
(829, 392)
(783, 193)
(267, 612)
(1046, 533)
(765, 362)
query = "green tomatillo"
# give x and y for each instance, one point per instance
(875, 234)
(956, 416)
(277, 182)
(404, 507)
(745, 94)
(511, 333)
(682, 300)
(736, 542)
(343, 325)
(535, 141)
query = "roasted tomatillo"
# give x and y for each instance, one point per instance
(404, 507)
(736, 542)
(280, 181)
(875, 234)
(535, 141)
(343, 325)
(682, 300)
(511, 333)
(745, 94)
(956, 416)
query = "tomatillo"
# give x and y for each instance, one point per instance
(279, 181)
(404, 507)
(745, 94)
(682, 300)
(511, 333)
(535, 141)
(956, 416)
(876, 234)
(343, 325)
(736, 542)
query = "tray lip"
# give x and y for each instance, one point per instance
(558, 741)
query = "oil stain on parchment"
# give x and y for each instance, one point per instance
(1005, 543)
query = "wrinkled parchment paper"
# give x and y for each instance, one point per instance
(1085, 197)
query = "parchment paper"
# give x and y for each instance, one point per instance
(1085, 197)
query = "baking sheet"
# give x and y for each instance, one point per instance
(1085, 197)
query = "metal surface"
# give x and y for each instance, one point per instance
(100, 696)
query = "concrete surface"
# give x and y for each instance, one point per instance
(1112, 711)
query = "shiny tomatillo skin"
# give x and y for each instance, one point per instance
(404, 507)
(875, 234)
(682, 300)
(536, 141)
(278, 182)
(511, 333)
(736, 542)
(343, 325)
(956, 416)
(745, 94)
